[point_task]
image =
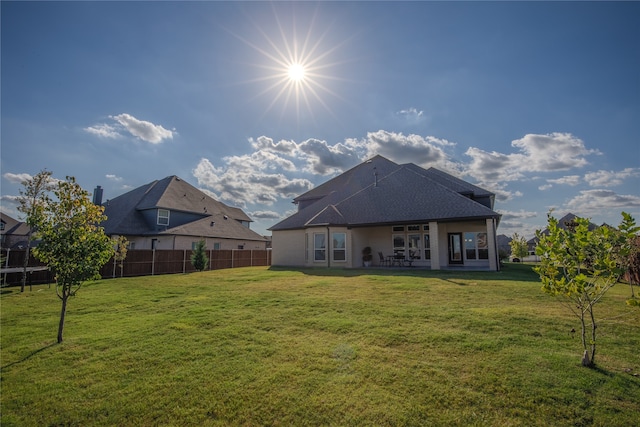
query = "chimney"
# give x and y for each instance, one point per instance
(97, 196)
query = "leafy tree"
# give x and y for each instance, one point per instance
(72, 242)
(633, 273)
(580, 265)
(31, 202)
(120, 244)
(519, 247)
(199, 258)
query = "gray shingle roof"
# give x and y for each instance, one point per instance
(382, 192)
(125, 213)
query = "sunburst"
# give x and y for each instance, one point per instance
(298, 68)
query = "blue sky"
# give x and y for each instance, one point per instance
(536, 101)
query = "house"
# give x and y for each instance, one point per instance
(406, 214)
(172, 214)
(564, 222)
(14, 234)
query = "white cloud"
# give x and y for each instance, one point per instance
(537, 153)
(325, 159)
(421, 150)
(265, 215)
(521, 214)
(316, 156)
(246, 180)
(104, 131)
(115, 178)
(590, 201)
(142, 129)
(412, 115)
(571, 180)
(16, 178)
(603, 178)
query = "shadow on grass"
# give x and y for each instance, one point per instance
(29, 356)
(521, 273)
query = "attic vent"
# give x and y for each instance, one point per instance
(213, 223)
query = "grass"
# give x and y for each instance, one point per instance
(259, 346)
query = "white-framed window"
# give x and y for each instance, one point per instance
(415, 245)
(476, 246)
(163, 216)
(427, 246)
(398, 243)
(397, 228)
(339, 246)
(319, 247)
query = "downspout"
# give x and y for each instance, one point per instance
(495, 243)
(328, 248)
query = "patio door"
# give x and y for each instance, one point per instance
(455, 248)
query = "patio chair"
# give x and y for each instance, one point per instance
(384, 262)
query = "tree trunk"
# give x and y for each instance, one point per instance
(65, 297)
(25, 264)
(593, 336)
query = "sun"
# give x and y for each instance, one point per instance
(296, 72)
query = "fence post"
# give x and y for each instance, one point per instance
(153, 262)
(184, 262)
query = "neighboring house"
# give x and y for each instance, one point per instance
(504, 244)
(172, 214)
(425, 217)
(14, 234)
(563, 223)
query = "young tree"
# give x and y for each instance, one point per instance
(32, 200)
(519, 247)
(72, 243)
(633, 273)
(199, 258)
(120, 245)
(580, 266)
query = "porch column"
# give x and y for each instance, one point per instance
(434, 241)
(491, 242)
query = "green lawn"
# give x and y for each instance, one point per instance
(259, 346)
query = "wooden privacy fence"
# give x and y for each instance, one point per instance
(141, 263)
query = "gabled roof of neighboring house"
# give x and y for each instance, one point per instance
(125, 213)
(12, 226)
(15, 232)
(380, 191)
(562, 223)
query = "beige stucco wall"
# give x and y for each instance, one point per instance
(289, 246)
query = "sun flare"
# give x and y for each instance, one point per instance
(298, 67)
(296, 72)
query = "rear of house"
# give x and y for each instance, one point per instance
(405, 214)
